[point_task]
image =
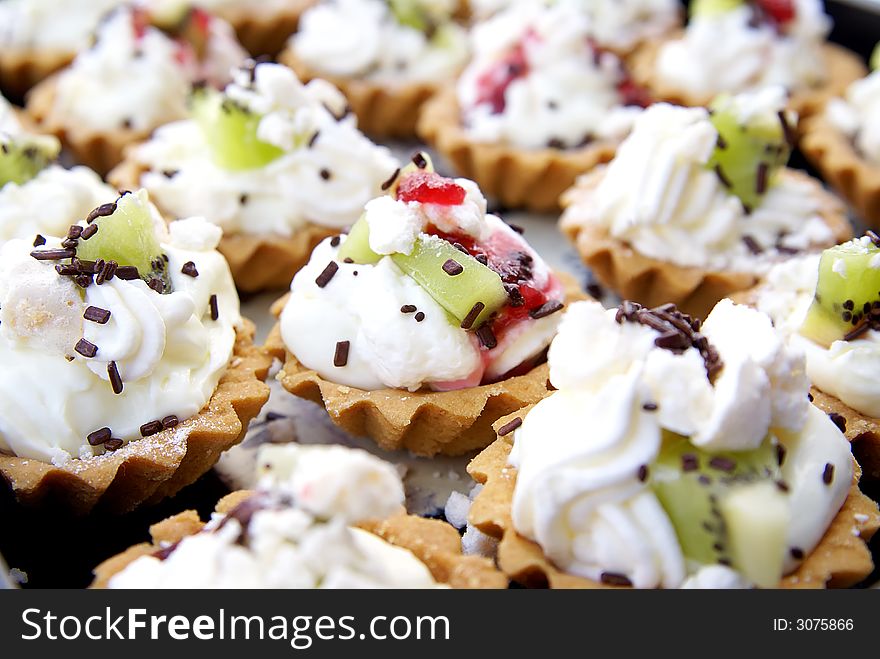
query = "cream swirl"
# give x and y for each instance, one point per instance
(58, 25)
(583, 454)
(328, 171)
(856, 115)
(50, 202)
(659, 195)
(52, 396)
(299, 536)
(749, 56)
(846, 370)
(364, 38)
(142, 76)
(563, 92)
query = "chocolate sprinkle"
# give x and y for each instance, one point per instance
(419, 161)
(487, 336)
(325, 174)
(189, 269)
(127, 273)
(334, 241)
(689, 462)
(387, 184)
(115, 378)
(472, 316)
(101, 211)
(157, 285)
(839, 420)
(510, 426)
(89, 231)
(828, 473)
(53, 254)
(75, 231)
(86, 348)
(797, 553)
(752, 245)
(724, 180)
(780, 454)
(151, 428)
(722, 464)
(97, 315)
(215, 312)
(615, 579)
(420, 316)
(643, 473)
(761, 179)
(170, 421)
(39, 241)
(452, 268)
(340, 357)
(408, 308)
(99, 436)
(327, 274)
(546, 309)
(649, 407)
(113, 444)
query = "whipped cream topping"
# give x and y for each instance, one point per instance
(659, 195)
(580, 451)
(57, 25)
(294, 532)
(858, 115)
(749, 56)
(141, 76)
(536, 80)
(846, 370)
(50, 202)
(364, 39)
(169, 352)
(328, 172)
(363, 304)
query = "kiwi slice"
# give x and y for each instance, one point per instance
(357, 244)
(457, 281)
(874, 63)
(126, 233)
(231, 132)
(713, 7)
(410, 13)
(749, 152)
(847, 291)
(23, 157)
(725, 507)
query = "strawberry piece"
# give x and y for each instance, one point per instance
(779, 11)
(631, 93)
(430, 188)
(492, 85)
(140, 21)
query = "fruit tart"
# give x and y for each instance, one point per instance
(139, 73)
(425, 323)
(828, 305)
(539, 104)
(843, 143)
(321, 517)
(674, 454)
(127, 368)
(388, 58)
(38, 37)
(38, 196)
(619, 25)
(278, 165)
(697, 204)
(742, 45)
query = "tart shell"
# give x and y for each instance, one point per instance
(842, 65)
(98, 150)
(518, 178)
(841, 559)
(426, 423)
(435, 543)
(22, 68)
(257, 262)
(652, 282)
(149, 469)
(847, 171)
(383, 110)
(263, 32)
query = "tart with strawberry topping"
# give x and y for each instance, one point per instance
(388, 58)
(423, 323)
(139, 72)
(765, 42)
(541, 102)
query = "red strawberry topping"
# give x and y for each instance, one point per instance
(779, 11)
(430, 188)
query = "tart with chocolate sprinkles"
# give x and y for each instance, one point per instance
(841, 559)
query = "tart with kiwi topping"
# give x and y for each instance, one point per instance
(425, 323)
(674, 454)
(829, 306)
(767, 42)
(279, 165)
(140, 70)
(843, 143)
(388, 58)
(127, 367)
(321, 517)
(698, 204)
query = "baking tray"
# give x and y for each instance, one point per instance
(44, 549)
